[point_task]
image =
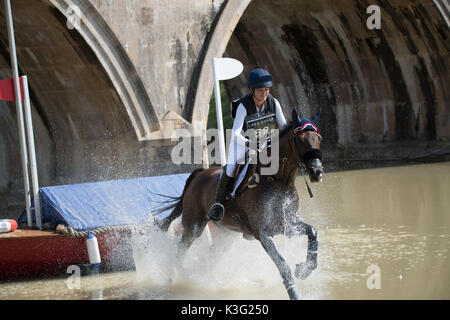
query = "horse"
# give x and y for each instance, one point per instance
(268, 208)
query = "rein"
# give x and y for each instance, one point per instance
(284, 160)
(302, 167)
(301, 159)
(263, 181)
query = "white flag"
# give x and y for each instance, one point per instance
(227, 68)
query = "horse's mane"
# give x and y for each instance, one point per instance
(286, 130)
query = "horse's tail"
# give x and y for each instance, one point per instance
(177, 207)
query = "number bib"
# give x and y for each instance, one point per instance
(262, 124)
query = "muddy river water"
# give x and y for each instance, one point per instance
(384, 234)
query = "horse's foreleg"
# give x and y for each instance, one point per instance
(282, 266)
(302, 269)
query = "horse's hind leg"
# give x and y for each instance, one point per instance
(191, 231)
(282, 266)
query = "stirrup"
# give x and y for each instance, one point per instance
(216, 204)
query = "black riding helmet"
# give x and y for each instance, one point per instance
(259, 78)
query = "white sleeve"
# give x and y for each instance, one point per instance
(280, 116)
(238, 123)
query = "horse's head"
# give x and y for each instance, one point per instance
(307, 141)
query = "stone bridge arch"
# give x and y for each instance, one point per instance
(374, 85)
(223, 30)
(90, 109)
(116, 63)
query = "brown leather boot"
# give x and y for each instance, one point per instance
(217, 210)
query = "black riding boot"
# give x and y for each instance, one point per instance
(217, 211)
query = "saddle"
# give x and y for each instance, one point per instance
(246, 176)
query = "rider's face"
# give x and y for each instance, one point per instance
(261, 94)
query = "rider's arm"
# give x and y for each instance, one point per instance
(238, 123)
(280, 116)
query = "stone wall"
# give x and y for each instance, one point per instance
(163, 40)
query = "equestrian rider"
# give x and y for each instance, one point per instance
(258, 103)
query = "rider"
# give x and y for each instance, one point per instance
(257, 103)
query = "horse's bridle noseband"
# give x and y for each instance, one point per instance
(311, 154)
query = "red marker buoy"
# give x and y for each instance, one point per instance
(7, 225)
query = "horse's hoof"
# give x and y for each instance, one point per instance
(303, 270)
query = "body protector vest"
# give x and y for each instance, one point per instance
(262, 122)
(258, 126)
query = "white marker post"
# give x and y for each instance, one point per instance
(32, 154)
(20, 123)
(223, 69)
(21, 126)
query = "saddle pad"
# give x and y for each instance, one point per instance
(240, 178)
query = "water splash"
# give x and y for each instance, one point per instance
(230, 264)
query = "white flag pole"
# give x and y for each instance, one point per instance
(223, 69)
(219, 112)
(18, 98)
(205, 150)
(32, 154)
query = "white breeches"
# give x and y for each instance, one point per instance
(236, 155)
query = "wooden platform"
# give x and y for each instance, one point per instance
(34, 253)
(23, 234)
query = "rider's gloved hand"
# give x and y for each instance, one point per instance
(252, 152)
(264, 144)
(259, 146)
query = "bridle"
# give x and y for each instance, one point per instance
(310, 155)
(301, 160)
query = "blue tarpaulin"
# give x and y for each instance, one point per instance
(111, 203)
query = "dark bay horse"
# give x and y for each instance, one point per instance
(268, 209)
